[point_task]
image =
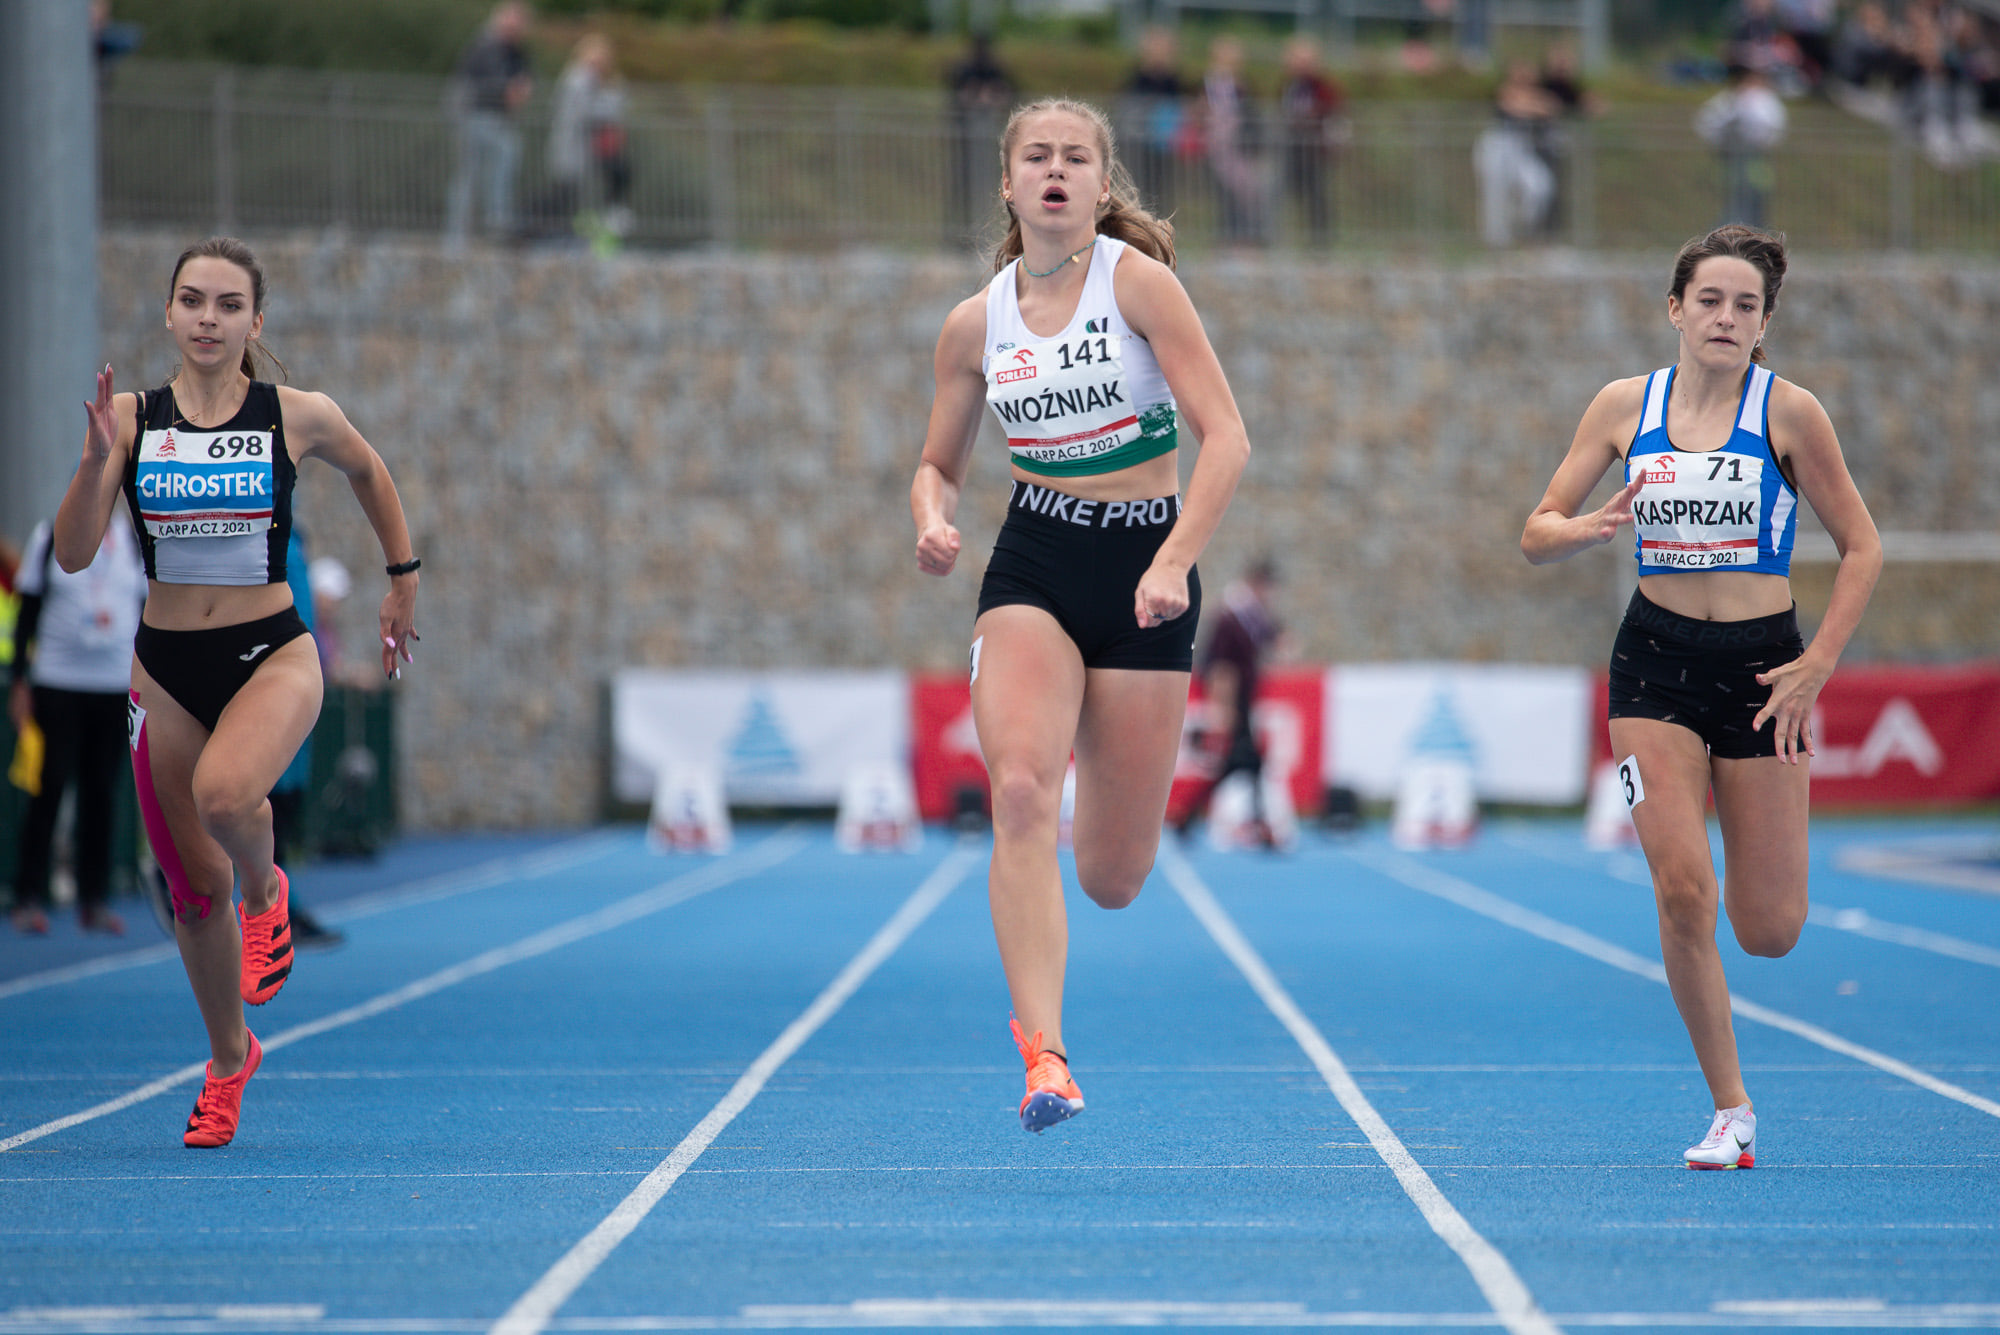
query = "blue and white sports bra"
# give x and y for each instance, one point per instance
(1725, 509)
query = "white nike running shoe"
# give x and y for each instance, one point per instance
(1731, 1141)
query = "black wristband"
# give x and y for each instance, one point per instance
(408, 567)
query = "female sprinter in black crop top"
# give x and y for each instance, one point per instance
(225, 680)
(1085, 634)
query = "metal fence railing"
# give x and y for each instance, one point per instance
(201, 147)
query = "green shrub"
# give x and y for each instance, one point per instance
(407, 35)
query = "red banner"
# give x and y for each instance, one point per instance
(945, 747)
(1898, 735)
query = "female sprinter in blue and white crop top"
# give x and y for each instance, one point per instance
(225, 680)
(1711, 684)
(1084, 347)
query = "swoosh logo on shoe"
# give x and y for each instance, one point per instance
(253, 653)
(1741, 1143)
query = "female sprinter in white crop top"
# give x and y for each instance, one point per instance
(1084, 346)
(1712, 686)
(225, 679)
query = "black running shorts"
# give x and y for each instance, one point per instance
(1081, 561)
(204, 669)
(1701, 674)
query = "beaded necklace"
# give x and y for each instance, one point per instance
(1069, 259)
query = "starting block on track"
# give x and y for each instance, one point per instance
(1233, 822)
(689, 814)
(878, 810)
(1435, 806)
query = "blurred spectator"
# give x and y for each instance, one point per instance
(1475, 34)
(1315, 110)
(1515, 185)
(1949, 55)
(10, 602)
(330, 584)
(1809, 24)
(72, 668)
(1156, 113)
(1869, 63)
(111, 41)
(1242, 635)
(1230, 137)
(288, 795)
(1418, 53)
(488, 87)
(590, 172)
(1744, 121)
(1555, 135)
(981, 96)
(1758, 39)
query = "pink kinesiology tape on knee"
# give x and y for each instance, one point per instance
(189, 906)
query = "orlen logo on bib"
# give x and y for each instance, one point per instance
(1017, 372)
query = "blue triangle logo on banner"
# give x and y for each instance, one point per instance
(759, 747)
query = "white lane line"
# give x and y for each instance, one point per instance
(533, 1310)
(668, 893)
(974, 1313)
(1466, 895)
(1630, 866)
(430, 888)
(103, 964)
(1953, 862)
(1861, 923)
(1504, 1291)
(1073, 1170)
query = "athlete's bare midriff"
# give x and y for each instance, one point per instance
(206, 606)
(1718, 595)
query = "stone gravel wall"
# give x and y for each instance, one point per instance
(703, 460)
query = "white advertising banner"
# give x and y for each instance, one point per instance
(1524, 730)
(775, 738)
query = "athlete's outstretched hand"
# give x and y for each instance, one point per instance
(399, 625)
(1795, 689)
(1607, 519)
(1161, 596)
(937, 549)
(102, 432)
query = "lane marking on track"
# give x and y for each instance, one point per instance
(679, 889)
(1512, 1303)
(1466, 895)
(1628, 865)
(533, 1310)
(949, 1313)
(1651, 1166)
(484, 875)
(1862, 923)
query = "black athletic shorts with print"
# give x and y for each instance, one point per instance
(1701, 675)
(1081, 561)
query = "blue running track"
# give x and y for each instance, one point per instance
(567, 1084)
